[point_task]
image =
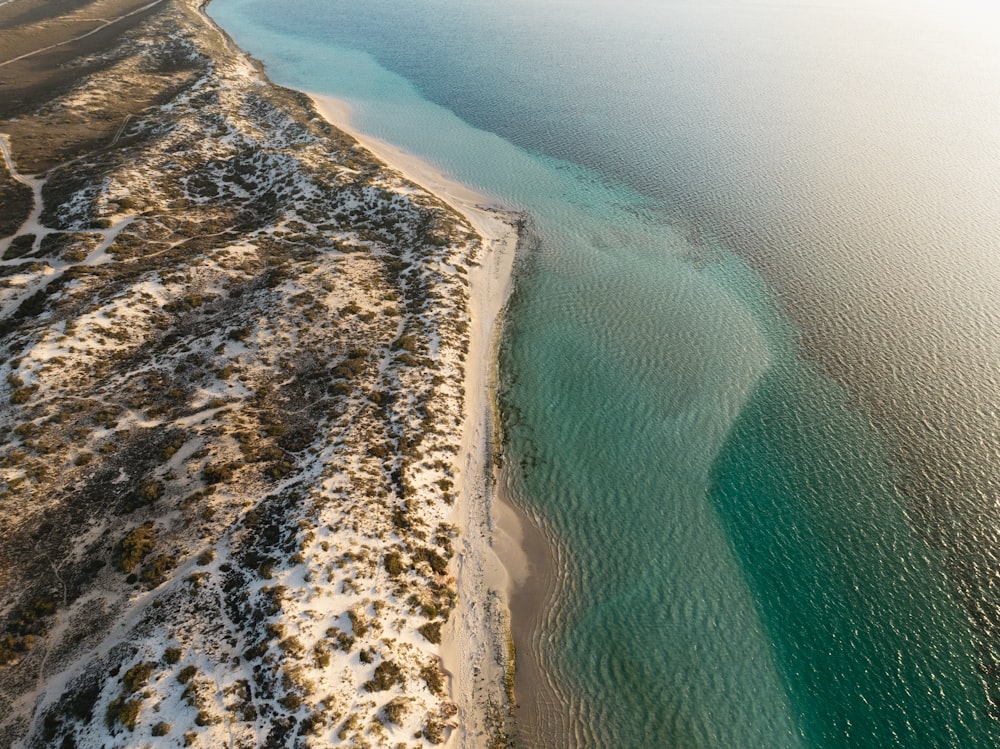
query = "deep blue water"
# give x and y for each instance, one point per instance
(751, 371)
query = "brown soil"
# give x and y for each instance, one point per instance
(31, 28)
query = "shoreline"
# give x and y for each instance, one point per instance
(496, 559)
(532, 558)
(492, 564)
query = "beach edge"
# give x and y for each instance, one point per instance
(476, 651)
(477, 647)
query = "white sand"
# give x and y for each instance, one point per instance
(477, 629)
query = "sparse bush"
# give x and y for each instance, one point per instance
(387, 675)
(106, 417)
(344, 641)
(351, 724)
(395, 710)
(321, 655)
(138, 676)
(431, 632)
(434, 731)
(293, 646)
(124, 712)
(22, 395)
(151, 491)
(157, 570)
(406, 343)
(291, 701)
(437, 562)
(135, 546)
(146, 494)
(161, 729)
(186, 674)
(217, 473)
(432, 676)
(393, 562)
(429, 610)
(352, 366)
(38, 609)
(11, 648)
(358, 624)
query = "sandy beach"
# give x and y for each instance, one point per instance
(491, 529)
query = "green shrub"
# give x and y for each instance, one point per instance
(23, 395)
(291, 701)
(124, 712)
(431, 632)
(387, 674)
(172, 655)
(134, 547)
(434, 731)
(138, 676)
(150, 491)
(157, 570)
(406, 343)
(393, 562)
(358, 624)
(395, 710)
(293, 646)
(216, 473)
(437, 562)
(432, 676)
(321, 655)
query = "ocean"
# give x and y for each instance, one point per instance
(751, 371)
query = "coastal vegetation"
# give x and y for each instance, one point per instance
(232, 352)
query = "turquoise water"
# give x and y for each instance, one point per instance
(750, 372)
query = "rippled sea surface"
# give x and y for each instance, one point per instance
(751, 376)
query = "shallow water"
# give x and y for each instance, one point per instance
(750, 373)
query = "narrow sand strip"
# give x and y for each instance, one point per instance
(478, 629)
